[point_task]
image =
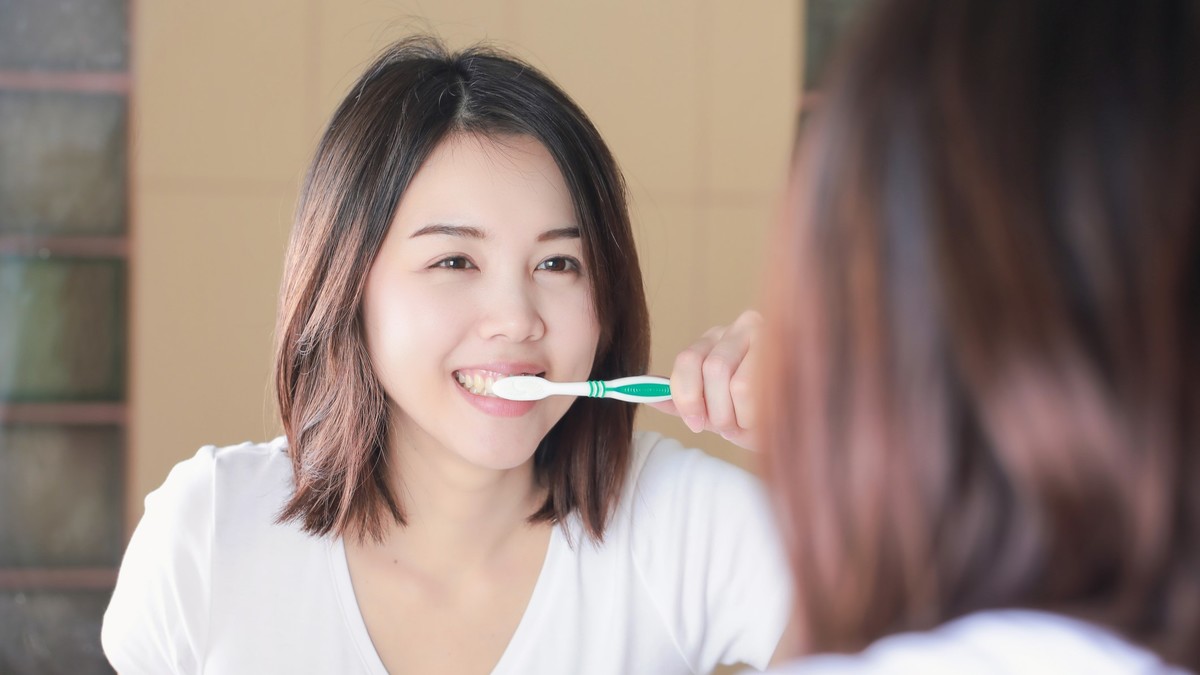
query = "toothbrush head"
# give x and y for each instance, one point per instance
(521, 388)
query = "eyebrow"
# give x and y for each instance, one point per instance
(559, 233)
(476, 233)
(450, 231)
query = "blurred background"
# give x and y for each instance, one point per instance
(150, 155)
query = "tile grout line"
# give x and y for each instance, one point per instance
(704, 169)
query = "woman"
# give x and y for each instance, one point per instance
(461, 221)
(982, 402)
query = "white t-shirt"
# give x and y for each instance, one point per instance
(690, 575)
(997, 642)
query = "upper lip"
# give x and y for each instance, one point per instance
(506, 367)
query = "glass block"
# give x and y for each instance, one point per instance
(63, 163)
(52, 632)
(64, 35)
(825, 22)
(62, 330)
(61, 501)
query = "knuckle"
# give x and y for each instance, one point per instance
(689, 359)
(717, 366)
(741, 387)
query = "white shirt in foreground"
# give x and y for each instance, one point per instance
(997, 642)
(690, 575)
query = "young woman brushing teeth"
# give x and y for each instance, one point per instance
(462, 221)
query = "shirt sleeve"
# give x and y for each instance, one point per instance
(157, 620)
(712, 558)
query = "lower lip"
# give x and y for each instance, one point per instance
(494, 405)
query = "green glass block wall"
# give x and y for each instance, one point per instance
(70, 35)
(51, 632)
(62, 163)
(64, 214)
(60, 496)
(62, 330)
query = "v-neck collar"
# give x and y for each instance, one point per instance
(522, 639)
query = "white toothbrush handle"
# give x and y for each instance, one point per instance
(567, 388)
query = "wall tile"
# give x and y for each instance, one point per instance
(633, 67)
(735, 251)
(670, 242)
(752, 93)
(221, 91)
(204, 313)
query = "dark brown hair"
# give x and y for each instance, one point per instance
(334, 410)
(983, 364)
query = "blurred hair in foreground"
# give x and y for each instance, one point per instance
(983, 372)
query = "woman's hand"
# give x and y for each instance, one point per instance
(712, 384)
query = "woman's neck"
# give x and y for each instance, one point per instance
(460, 517)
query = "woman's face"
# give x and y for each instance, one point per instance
(480, 276)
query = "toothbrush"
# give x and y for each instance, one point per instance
(639, 389)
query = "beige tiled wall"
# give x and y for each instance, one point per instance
(696, 98)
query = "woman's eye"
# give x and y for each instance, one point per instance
(560, 263)
(454, 262)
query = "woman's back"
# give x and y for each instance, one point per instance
(985, 374)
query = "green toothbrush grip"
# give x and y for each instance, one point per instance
(637, 389)
(647, 390)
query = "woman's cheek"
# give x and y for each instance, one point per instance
(581, 329)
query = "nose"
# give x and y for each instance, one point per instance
(510, 311)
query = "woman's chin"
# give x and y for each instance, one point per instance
(497, 458)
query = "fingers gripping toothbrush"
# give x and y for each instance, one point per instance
(639, 389)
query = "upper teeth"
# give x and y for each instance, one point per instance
(476, 384)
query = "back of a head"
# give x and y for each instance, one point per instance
(984, 342)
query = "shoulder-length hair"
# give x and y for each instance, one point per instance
(333, 408)
(982, 386)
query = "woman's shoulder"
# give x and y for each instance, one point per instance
(671, 482)
(227, 469)
(995, 642)
(207, 539)
(663, 468)
(686, 506)
(244, 479)
(244, 458)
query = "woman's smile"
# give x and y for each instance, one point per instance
(476, 385)
(479, 381)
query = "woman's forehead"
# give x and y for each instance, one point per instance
(492, 185)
